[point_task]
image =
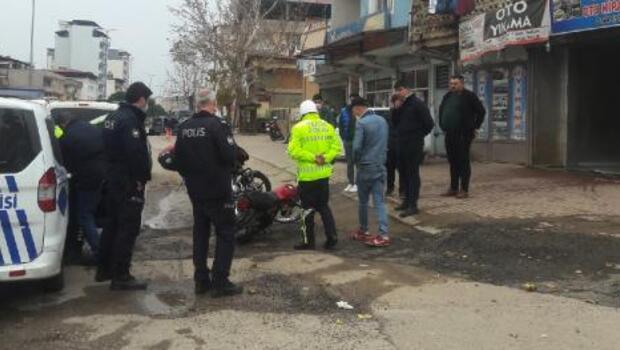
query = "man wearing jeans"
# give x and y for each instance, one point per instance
(83, 153)
(370, 153)
(346, 126)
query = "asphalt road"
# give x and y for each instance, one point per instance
(459, 288)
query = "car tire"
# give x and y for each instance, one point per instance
(54, 284)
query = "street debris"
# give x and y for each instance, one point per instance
(579, 272)
(363, 317)
(339, 322)
(530, 287)
(364, 265)
(252, 291)
(544, 336)
(344, 305)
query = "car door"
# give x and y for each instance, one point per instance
(22, 168)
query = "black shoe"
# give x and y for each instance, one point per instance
(330, 244)
(202, 287)
(128, 283)
(402, 207)
(409, 212)
(102, 275)
(304, 246)
(228, 289)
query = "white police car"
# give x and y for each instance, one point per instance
(92, 112)
(33, 196)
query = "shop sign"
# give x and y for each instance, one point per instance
(581, 15)
(518, 23)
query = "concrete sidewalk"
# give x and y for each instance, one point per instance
(499, 191)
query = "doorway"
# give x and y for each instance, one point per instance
(594, 116)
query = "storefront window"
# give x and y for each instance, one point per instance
(503, 91)
(378, 92)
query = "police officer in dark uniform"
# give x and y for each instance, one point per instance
(129, 170)
(205, 153)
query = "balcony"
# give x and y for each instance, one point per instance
(375, 22)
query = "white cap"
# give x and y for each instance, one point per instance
(307, 107)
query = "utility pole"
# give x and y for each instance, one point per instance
(31, 45)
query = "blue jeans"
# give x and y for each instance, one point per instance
(376, 188)
(87, 203)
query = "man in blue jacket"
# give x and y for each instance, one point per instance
(346, 126)
(370, 147)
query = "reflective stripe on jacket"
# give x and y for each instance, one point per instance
(310, 138)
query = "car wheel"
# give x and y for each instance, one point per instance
(54, 284)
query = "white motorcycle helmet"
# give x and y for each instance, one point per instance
(307, 107)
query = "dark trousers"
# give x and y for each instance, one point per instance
(221, 214)
(73, 244)
(411, 155)
(391, 166)
(348, 149)
(124, 204)
(315, 198)
(458, 146)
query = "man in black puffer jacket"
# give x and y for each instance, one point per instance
(461, 113)
(413, 123)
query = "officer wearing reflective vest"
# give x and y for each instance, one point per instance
(314, 145)
(129, 170)
(205, 153)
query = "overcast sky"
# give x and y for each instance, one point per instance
(141, 27)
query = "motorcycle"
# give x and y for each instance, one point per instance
(274, 130)
(243, 179)
(256, 211)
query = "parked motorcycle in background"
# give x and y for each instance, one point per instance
(274, 130)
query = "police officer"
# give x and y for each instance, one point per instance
(205, 153)
(129, 170)
(314, 146)
(413, 123)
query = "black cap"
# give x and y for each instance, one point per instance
(402, 84)
(359, 101)
(317, 97)
(136, 91)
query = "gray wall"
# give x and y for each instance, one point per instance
(547, 106)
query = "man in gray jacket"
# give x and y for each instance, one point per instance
(370, 153)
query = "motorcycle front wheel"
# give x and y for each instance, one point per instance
(259, 182)
(289, 214)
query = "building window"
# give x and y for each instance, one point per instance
(419, 80)
(378, 92)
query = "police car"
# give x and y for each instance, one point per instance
(92, 112)
(33, 196)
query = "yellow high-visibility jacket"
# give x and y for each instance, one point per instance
(310, 138)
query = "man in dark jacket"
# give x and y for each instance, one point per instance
(346, 127)
(84, 157)
(461, 113)
(129, 170)
(413, 123)
(205, 155)
(392, 155)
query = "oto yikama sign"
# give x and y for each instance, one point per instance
(518, 23)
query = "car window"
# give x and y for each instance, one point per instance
(19, 140)
(383, 113)
(85, 114)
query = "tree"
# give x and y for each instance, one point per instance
(155, 110)
(118, 96)
(226, 37)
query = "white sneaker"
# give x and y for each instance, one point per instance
(348, 188)
(353, 189)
